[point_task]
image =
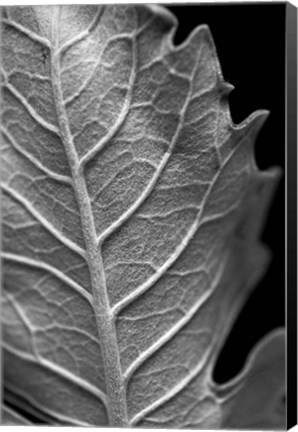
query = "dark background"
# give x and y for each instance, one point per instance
(250, 43)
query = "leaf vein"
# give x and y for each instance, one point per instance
(45, 410)
(173, 258)
(50, 269)
(60, 371)
(117, 410)
(86, 33)
(157, 174)
(177, 327)
(43, 221)
(173, 392)
(123, 115)
(35, 116)
(29, 33)
(34, 161)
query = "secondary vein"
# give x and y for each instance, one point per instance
(42, 220)
(20, 259)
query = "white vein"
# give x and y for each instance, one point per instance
(68, 328)
(13, 414)
(178, 326)
(84, 34)
(168, 213)
(112, 179)
(173, 392)
(53, 175)
(43, 221)
(20, 312)
(182, 246)
(125, 216)
(50, 269)
(106, 328)
(35, 116)
(42, 410)
(27, 32)
(217, 216)
(58, 370)
(123, 115)
(121, 36)
(85, 84)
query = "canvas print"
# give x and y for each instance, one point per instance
(143, 216)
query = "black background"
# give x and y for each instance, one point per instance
(250, 43)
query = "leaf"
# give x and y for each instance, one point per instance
(132, 209)
(259, 403)
(21, 407)
(10, 417)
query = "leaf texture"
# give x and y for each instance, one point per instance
(132, 208)
(9, 417)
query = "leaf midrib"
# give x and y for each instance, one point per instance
(116, 382)
(116, 394)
